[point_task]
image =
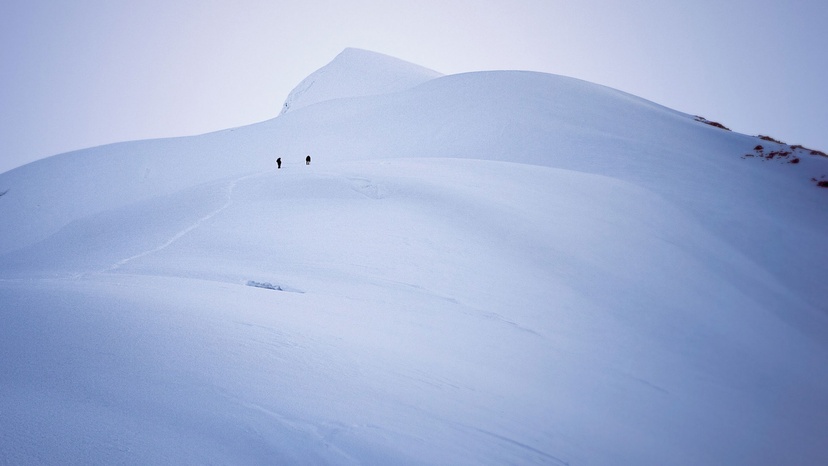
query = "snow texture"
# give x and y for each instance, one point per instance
(485, 268)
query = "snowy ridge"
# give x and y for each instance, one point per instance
(485, 268)
(354, 73)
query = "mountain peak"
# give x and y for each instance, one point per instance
(355, 73)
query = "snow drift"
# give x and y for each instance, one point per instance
(495, 267)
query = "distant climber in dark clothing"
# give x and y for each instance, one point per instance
(279, 163)
(307, 160)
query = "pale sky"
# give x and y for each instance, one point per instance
(82, 73)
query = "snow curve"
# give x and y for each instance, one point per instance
(356, 72)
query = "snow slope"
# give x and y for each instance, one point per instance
(355, 73)
(486, 268)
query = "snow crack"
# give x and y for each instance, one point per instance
(265, 285)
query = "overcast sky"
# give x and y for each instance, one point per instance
(82, 73)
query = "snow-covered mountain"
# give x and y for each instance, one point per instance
(356, 73)
(485, 268)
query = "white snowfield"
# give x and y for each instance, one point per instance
(485, 268)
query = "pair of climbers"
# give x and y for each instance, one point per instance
(279, 162)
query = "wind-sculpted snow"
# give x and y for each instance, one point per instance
(354, 73)
(488, 268)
